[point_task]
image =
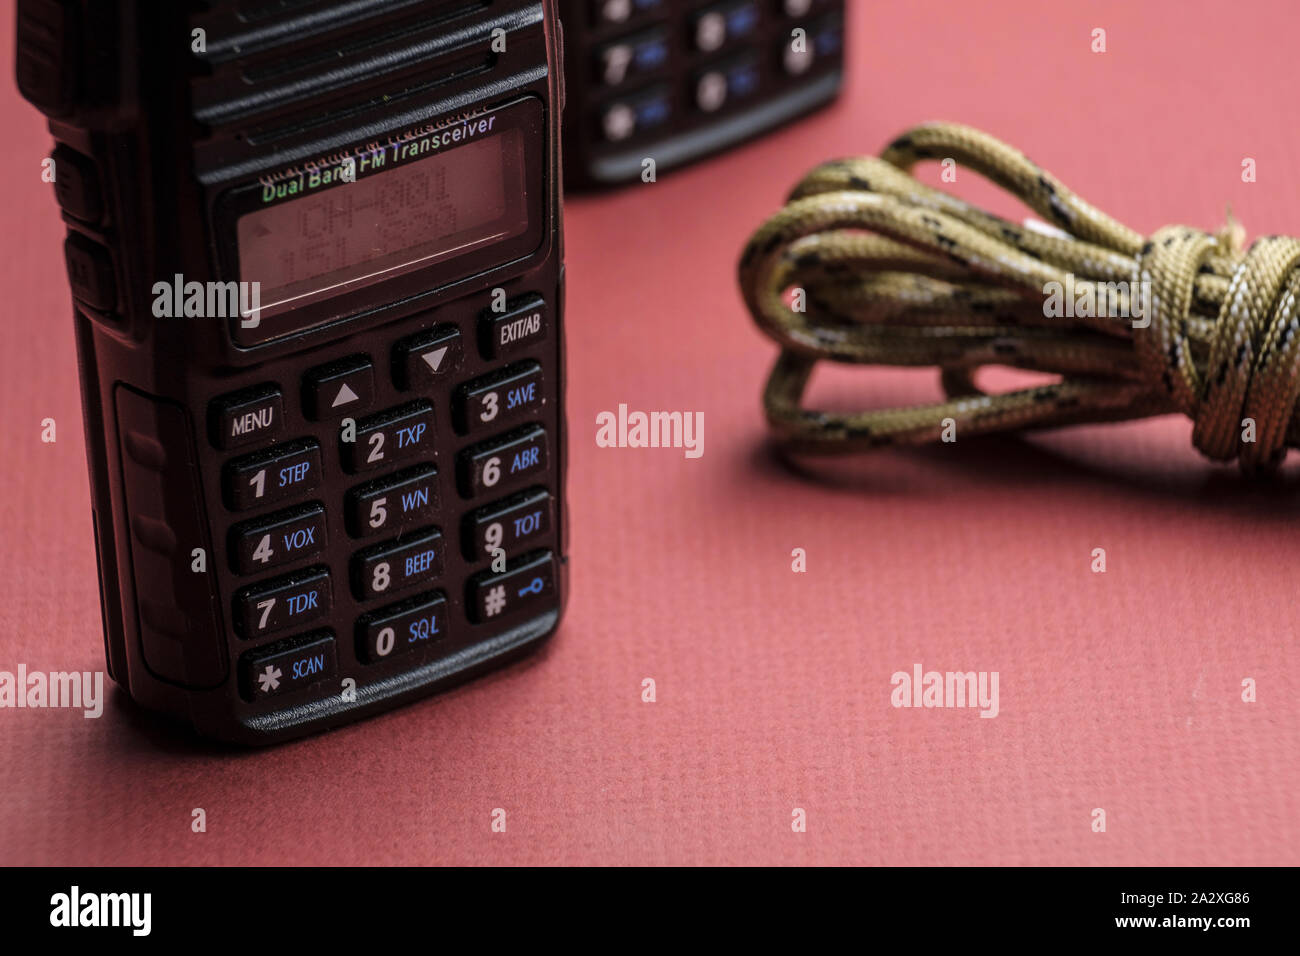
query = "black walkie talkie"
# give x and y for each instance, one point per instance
(669, 81)
(316, 263)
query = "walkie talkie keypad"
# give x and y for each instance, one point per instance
(672, 80)
(401, 524)
(395, 511)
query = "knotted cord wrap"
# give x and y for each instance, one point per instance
(894, 272)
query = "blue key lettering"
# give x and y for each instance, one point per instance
(294, 474)
(299, 539)
(652, 55)
(415, 499)
(423, 629)
(308, 666)
(301, 602)
(524, 459)
(827, 42)
(741, 20)
(742, 81)
(411, 435)
(652, 112)
(518, 397)
(418, 563)
(528, 524)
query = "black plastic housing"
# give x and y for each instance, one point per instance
(698, 76)
(162, 113)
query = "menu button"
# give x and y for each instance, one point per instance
(247, 417)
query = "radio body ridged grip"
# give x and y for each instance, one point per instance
(260, 577)
(168, 540)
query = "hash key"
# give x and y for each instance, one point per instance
(527, 581)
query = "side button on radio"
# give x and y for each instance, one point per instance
(76, 186)
(90, 272)
(47, 60)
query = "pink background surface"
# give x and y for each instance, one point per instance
(1118, 690)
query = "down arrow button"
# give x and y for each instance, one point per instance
(423, 359)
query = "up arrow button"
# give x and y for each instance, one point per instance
(344, 396)
(340, 388)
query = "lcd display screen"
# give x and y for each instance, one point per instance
(386, 223)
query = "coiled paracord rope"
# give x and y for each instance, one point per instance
(893, 272)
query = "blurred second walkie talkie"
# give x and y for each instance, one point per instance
(674, 80)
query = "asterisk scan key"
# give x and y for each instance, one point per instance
(269, 678)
